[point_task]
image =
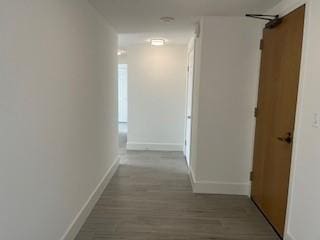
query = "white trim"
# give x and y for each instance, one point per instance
(289, 237)
(191, 44)
(297, 127)
(192, 178)
(209, 187)
(84, 212)
(191, 49)
(155, 146)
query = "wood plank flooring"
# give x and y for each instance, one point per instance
(150, 198)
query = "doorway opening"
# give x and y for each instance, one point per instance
(152, 92)
(123, 104)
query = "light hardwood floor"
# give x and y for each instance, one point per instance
(150, 198)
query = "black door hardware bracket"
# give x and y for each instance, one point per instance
(273, 20)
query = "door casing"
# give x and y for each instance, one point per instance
(188, 121)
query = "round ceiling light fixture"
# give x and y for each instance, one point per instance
(167, 19)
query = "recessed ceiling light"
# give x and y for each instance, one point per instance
(121, 52)
(167, 19)
(158, 42)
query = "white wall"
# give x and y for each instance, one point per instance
(304, 209)
(58, 113)
(156, 97)
(225, 95)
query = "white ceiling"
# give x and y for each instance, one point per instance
(137, 20)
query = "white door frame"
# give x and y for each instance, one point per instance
(189, 101)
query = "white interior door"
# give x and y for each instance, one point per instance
(123, 92)
(189, 105)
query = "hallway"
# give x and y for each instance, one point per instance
(150, 197)
(107, 107)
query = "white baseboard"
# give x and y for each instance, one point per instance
(84, 212)
(207, 187)
(192, 178)
(289, 237)
(154, 146)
